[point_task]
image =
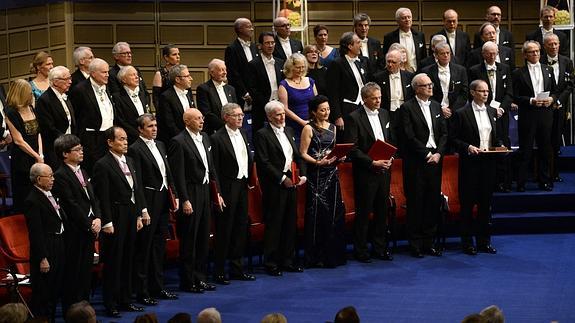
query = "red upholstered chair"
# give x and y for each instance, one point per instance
(255, 217)
(398, 209)
(14, 258)
(450, 190)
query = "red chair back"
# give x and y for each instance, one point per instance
(347, 192)
(396, 190)
(14, 243)
(450, 183)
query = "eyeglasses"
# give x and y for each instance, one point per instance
(237, 116)
(284, 25)
(428, 85)
(49, 176)
(185, 76)
(482, 91)
(77, 149)
(125, 54)
(64, 78)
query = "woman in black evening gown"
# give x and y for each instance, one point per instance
(325, 214)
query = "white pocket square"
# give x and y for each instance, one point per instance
(420, 45)
(437, 116)
(210, 148)
(504, 76)
(408, 85)
(458, 82)
(387, 126)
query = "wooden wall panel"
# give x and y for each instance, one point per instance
(59, 56)
(199, 58)
(223, 35)
(208, 11)
(334, 11)
(199, 77)
(3, 45)
(520, 30)
(57, 12)
(148, 77)
(39, 38)
(144, 57)
(20, 66)
(470, 10)
(3, 20)
(57, 35)
(385, 10)
(525, 9)
(136, 34)
(4, 71)
(18, 42)
(24, 17)
(181, 34)
(263, 11)
(118, 11)
(93, 34)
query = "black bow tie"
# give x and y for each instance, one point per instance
(553, 62)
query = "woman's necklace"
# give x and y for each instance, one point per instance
(298, 81)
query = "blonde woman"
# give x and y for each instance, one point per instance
(25, 131)
(295, 91)
(41, 64)
(404, 61)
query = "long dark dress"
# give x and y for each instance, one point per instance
(325, 214)
(20, 161)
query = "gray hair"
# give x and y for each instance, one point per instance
(290, 62)
(489, 44)
(80, 53)
(57, 72)
(118, 47)
(439, 38)
(345, 40)
(36, 171)
(399, 11)
(361, 17)
(493, 314)
(175, 71)
(279, 20)
(527, 43)
(440, 46)
(369, 88)
(238, 23)
(215, 62)
(123, 71)
(272, 106)
(228, 108)
(96, 64)
(475, 83)
(209, 315)
(416, 78)
(393, 52)
(550, 35)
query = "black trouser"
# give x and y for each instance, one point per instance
(535, 126)
(47, 287)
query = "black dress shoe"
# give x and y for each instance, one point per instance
(196, 289)
(221, 279)
(363, 258)
(112, 312)
(293, 269)
(207, 286)
(546, 187)
(433, 252)
(243, 276)
(470, 250)
(416, 253)
(385, 255)
(557, 179)
(130, 307)
(274, 271)
(487, 249)
(164, 294)
(148, 301)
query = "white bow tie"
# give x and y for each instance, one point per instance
(443, 70)
(197, 138)
(244, 43)
(394, 76)
(279, 130)
(372, 113)
(492, 68)
(183, 92)
(536, 65)
(64, 97)
(364, 40)
(406, 34)
(426, 104)
(479, 108)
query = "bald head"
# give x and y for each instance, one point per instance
(450, 20)
(194, 120)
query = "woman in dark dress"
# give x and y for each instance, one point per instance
(161, 81)
(27, 147)
(315, 70)
(325, 213)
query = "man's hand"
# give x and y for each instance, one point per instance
(108, 230)
(139, 224)
(146, 220)
(221, 203)
(472, 150)
(302, 180)
(187, 207)
(287, 182)
(339, 123)
(177, 205)
(382, 163)
(96, 226)
(44, 265)
(434, 159)
(499, 112)
(446, 112)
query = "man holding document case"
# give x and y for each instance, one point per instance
(365, 126)
(534, 90)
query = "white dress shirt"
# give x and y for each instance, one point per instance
(483, 125)
(444, 78)
(246, 47)
(555, 66)
(426, 110)
(406, 39)
(357, 75)
(151, 144)
(240, 151)
(77, 169)
(451, 39)
(105, 105)
(375, 123)
(198, 141)
(284, 42)
(286, 147)
(395, 91)
(121, 160)
(63, 98)
(536, 76)
(54, 203)
(269, 64)
(221, 93)
(183, 97)
(134, 95)
(364, 47)
(492, 76)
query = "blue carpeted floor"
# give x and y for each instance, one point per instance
(531, 278)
